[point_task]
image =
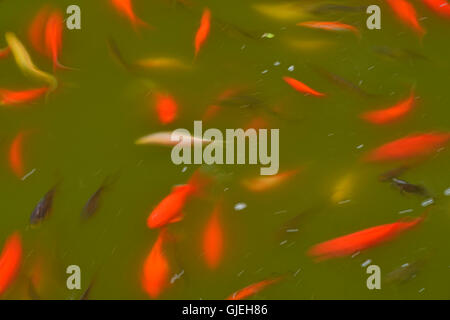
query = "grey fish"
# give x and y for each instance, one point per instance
(43, 208)
(331, 7)
(397, 53)
(394, 173)
(405, 272)
(409, 187)
(93, 203)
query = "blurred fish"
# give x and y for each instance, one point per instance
(10, 97)
(343, 188)
(213, 239)
(156, 268)
(164, 63)
(4, 52)
(10, 260)
(32, 291)
(394, 173)
(409, 188)
(53, 37)
(291, 226)
(390, 114)
(125, 7)
(15, 155)
(309, 44)
(169, 209)
(166, 107)
(165, 138)
(330, 26)
(43, 208)
(282, 10)
(361, 240)
(233, 30)
(202, 31)
(86, 294)
(93, 203)
(210, 112)
(301, 87)
(253, 289)
(407, 14)
(260, 184)
(331, 8)
(397, 53)
(36, 30)
(405, 272)
(408, 147)
(25, 63)
(441, 7)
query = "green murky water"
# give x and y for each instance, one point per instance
(86, 132)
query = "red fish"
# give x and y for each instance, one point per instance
(441, 7)
(203, 30)
(361, 240)
(156, 268)
(330, 26)
(390, 114)
(211, 112)
(213, 240)
(253, 289)
(53, 38)
(406, 12)
(9, 97)
(169, 210)
(36, 30)
(15, 155)
(301, 87)
(125, 7)
(10, 259)
(4, 52)
(166, 107)
(410, 146)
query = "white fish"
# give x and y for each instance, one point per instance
(170, 138)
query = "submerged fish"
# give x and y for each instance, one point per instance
(398, 53)
(330, 26)
(43, 208)
(125, 7)
(166, 107)
(93, 203)
(213, 239)
(361, 240)
(407, 14)
(253, 289)
(36, 30)
(390, 114)
(53, 38)
(171, 138)
(4, 52)
(405, 272)
(331, 7)
(15, 155)
(202, 31)
(409, 187)
(281, 10)
(25, 63)
(10, 259)
(260, 184)
(165, 63)
(441, 7)
(301, 87)
(411, 146)
(394, 173)
(10, 97)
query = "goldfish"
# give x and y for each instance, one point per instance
(260, 184)
(329, 26)
(441, 7)
(156, 268)
(43, 208)
(361, 240)
(406, 12)
(253, 289)
(308, 44)
(26, 65)
(281, 10)
(169, 210)
(166, 107)
(125, 7)
(210, 112)
(301, 87)
(53, 37)
(410, 146)
(343, 188)
(15, 155)
(202, 31)
(390, 114)
(213, 240)
(10, 260)
(4, 52)
(9, 97)
(166, 63)
(171, 138)
(36, 30)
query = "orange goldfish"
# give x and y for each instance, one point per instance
(361, 240)
(329, 26)
(253, 289)
(390, 114)
(410, 146)
(169, 209)
(441, 7)
(53, 37)
(260, 184)
(15, 155)
(301, 87)
(36, 30)
(125, 7)
(4, 52)
(203, 30)
(211, 112)
(406, 12)
(156, 269)
(10, 260)
(8, 97)
(213, 240)
(166, 107)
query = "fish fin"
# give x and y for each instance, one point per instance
(177, 218)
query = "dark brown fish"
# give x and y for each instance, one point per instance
(94, 201)
(43, 208)
(405, 272)
(409, 187)
(399, 54)
(394, 173)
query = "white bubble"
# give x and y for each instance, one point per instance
(447, 192)
(291, 68)
(240, 206)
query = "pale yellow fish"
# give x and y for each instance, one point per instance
(343, 189)
(282, 10)
(308, 44)
(162, 63)
(170, 138)
(26, 65)
(265, 183)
